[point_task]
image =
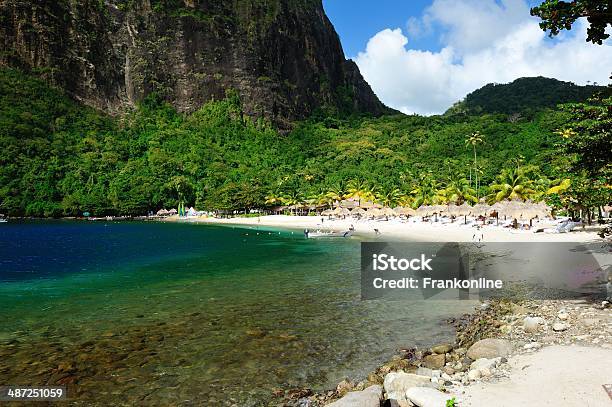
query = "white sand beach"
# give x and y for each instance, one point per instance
(395, 229)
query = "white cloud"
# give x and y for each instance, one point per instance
(483, 41)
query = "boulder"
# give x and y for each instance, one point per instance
(532, 324)
(424, 397)
(396, 384)
(483, 367)
(489, 348)
(442, 348)
(369, 397)
(424, 371)
(434, 361)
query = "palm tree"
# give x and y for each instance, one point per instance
(512, 183)
(389, 197)
(359, 189)
(458, 191)
(473, 140)
(425, 190)
(336, 193)
(293, 198)
(321, 198)
(273, 199)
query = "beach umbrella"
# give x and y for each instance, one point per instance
(172, 211)
(404, 211)
(480, 209)
(374, 212)
(451, 209)
(327, 212)
(425, 210)
(368, 205)
(439, 209)
(162, 212)
(358, 211)
(341, 211)
(464, 209)
(387, 212)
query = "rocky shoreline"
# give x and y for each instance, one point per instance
(485, 341)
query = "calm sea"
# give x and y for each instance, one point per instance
(126, 313)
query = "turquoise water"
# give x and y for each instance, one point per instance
(158, 313)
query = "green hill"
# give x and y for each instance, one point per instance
(58, 157)
(522, 96)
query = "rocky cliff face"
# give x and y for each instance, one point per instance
(282, 56)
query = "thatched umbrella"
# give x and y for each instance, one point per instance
(387, 212)
(439, 209)
(369, 205)
(451, 209)
(464, 209)
(162, 212)
(404, 211)
(374, 212)
(172, 211)
(358, 212)
(341, 212)
(327, 212)
(425, 210)
(481, 209)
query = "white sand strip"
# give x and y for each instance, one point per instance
(395, 229)
(568, 376)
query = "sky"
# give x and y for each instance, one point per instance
(421, 56)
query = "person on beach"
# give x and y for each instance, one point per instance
(377, 232)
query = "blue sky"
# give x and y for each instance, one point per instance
(421, 56)
(356, 21)
(359, 20)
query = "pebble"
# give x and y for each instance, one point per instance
(560, 326)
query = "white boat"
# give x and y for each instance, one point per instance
(327, 233)
(3, 220)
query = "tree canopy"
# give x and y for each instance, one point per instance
(559, 15)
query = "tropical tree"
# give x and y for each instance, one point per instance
(336, 193)
(511, 183)
(425, 190)
(561, 15)
(458, 191)
(273, 199)
(473, 140)
(293, 198)
(389, 197)
(359, 189)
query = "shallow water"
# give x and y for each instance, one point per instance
(126, 313)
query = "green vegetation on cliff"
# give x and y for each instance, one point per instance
(59, 158)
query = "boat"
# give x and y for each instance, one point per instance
(327, 233)
(3, 220)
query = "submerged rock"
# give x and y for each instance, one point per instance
(442, 348)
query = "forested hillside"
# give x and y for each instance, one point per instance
(59, 158)
(523, 96)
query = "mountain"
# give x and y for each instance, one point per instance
(523, 95)
(283, 57)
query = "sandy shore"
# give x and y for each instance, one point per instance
(414, 231)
